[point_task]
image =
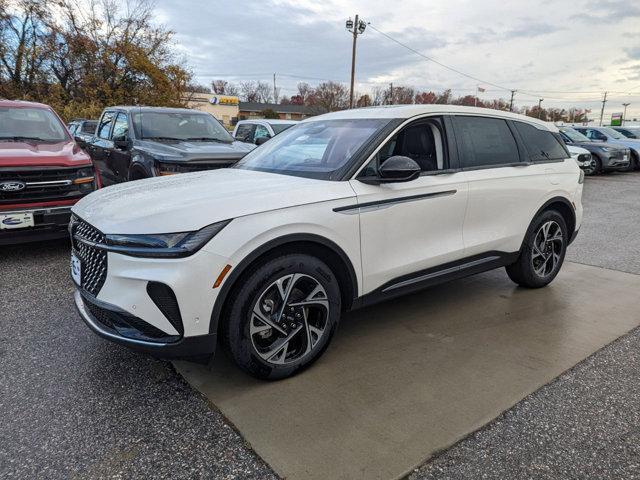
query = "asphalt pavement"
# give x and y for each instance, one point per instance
(586, 423)
(75, 406)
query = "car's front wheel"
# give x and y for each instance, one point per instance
(283, 316)
(542, 252)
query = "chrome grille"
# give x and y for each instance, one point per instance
(93, 259)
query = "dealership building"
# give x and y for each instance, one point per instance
(229, 109)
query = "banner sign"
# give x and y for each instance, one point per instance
(616, 119)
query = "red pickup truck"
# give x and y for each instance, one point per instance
(42, 173)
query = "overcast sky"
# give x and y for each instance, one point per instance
(546, 48)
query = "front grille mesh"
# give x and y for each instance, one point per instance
(93, 260)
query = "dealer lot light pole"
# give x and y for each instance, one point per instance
(356, 27)
(624, 115)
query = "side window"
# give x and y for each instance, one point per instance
(261, 131)
(121, 126)
(423, 141)
(105, 125)
(484, 142)
(72, 128)
(541, 144)
(244, 133)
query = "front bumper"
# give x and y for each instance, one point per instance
(50, 223)
(180, 347)
(617, 160)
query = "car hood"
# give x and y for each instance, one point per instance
(26, 154)
(592, 145)
(574, 148)
(195, 150)
(190, 201)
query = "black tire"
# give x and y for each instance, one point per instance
(526, 270)
(137, 173)
(635, 161)
(249, 350)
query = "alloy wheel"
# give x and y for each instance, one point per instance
(547, 248)
(289, 319)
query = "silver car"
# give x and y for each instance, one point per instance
(614, 138)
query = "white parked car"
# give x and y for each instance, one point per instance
(340, 211)
(583, 158)
(259, 131)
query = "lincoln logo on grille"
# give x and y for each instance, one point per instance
(12, 186)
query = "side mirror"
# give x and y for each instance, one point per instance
(261, 140)
(394, 170)
(121, 142)
(80, 142)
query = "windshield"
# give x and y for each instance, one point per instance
(317, 149)
(280, 127)
(36, 124)
(179, 126)
(612, 133)
(574, 135)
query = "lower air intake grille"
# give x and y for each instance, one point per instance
(166, 301)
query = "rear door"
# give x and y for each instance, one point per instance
(505, 187)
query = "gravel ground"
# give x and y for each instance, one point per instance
(585, 424)
(75, 406)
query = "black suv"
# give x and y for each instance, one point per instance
(131, 143)
(604, 158)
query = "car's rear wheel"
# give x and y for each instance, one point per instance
(283, 316)
(542, 252)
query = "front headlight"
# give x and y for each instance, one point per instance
(163, 245)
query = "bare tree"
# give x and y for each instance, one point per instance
(264, 91)
(223, 87)
(331, 96)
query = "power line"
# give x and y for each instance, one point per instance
(459, 72)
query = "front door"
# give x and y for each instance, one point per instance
(120, 157)
(417, 225)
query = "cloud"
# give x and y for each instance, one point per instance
(633, 52)
(608, 11)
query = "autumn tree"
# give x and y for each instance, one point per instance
(331, 96)
(82, 56)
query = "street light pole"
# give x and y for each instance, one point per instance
(624, 115)
(513, 92)
(356, 27)
(540, 107)
(604, 100)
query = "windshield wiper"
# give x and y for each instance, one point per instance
(164, 138)
(206, 139)
(18, 138)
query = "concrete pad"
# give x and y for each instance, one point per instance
(411, 376)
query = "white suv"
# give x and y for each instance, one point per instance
(340, 211)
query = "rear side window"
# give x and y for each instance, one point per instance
(105, 125)
(485, 142)
(244, 133)
(541, 144)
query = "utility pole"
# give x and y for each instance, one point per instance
(604, 100)
(624, 115)
(540, 107)
(513, 92)
(275, 90)
(356, 28)
(390, 94)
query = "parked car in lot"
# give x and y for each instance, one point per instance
(604, 158)
(82, 130)
(583, 158)
(629, 132)
(42, 173)
(259, 131)
(613, 139)
(131, 143)
(340, 211)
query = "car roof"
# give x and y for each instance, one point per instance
(409, 111)
(269, 120)
(129, 108)
(22, 104)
